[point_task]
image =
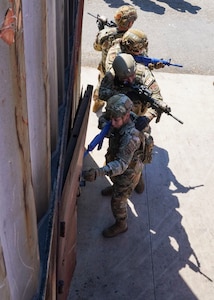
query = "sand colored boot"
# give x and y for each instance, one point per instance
(98, 104)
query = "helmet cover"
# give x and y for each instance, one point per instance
(124, 15)
(118, 105)
(124, 65)
(134, 40)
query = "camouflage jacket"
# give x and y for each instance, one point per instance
(111, 86)
(104, 40)
(116, 48)
(124, 150)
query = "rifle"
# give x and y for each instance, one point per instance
(148, 60)
(98, 139)
(102, 21)
(157, 105)
(197, 270)
(197, 267)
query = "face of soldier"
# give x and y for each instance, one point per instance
(119, 121)
(128, 80)
(137, 50)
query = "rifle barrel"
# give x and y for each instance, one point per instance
(92, 15)
(176, 118)
(175, 65)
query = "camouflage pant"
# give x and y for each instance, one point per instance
(100, 77)
(123, 185)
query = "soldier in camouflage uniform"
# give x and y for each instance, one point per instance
(134, 42)
(124, 19)
(123, 160)
(124, 74)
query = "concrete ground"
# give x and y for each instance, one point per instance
(168, 250)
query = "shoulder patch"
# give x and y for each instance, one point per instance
(131, 147)
(149, 81)
(140, 71)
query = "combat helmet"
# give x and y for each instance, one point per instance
(124, 15)
(134, 41)
(124, 65)
(118, 105)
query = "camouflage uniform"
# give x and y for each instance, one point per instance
(104, 40)
(123, 158)
(123, 164)
(111, 86)
(119, 46)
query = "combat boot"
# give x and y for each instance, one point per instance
(107, 191)
(98, 104)
(140, 186)
(117, 228)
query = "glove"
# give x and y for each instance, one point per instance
(101, 22)
(90, 175)
(151, 66)
(159, 65)
(141, 123)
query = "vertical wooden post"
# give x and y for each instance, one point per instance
(38, 92)
(19, 253)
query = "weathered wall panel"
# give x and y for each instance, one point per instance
(4, 284)
(66, 33)
(67, 205)
(38, 99)
(60, 49)
(40, 82)
(18, 226)
(52, 70)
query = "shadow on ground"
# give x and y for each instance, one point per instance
(145, 262)
(156, 7)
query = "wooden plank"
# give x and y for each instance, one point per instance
(67, 213)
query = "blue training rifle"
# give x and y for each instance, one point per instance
(149, 60)
(98, 139)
